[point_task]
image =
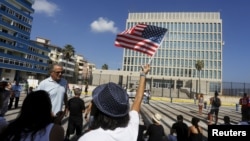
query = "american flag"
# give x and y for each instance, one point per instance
(143, 38)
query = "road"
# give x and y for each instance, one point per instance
(168, 110)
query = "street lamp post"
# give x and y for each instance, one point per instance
(178, 86)
(171, 100)
(130, 80)
(162, 87)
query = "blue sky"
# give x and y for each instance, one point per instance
(90, 26)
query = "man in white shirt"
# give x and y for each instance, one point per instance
(56, 86)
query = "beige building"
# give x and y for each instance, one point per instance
(191, 36)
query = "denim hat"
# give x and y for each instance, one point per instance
(111, 99)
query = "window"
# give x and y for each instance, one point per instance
(7, 71)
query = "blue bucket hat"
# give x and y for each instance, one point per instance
(111, 99)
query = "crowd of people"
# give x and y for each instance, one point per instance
(110, 115)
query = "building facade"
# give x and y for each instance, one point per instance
(75, 67)
(191, 36)
(23, 59)
(20, 58)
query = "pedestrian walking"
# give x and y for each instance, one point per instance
(75, 108)
(35, 122)
(200, 103)
(215, 103)
(114, 119)
(56, 86)
(16, 89)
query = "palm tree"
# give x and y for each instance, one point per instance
(68, 51)
(199, 66)
(105, 67)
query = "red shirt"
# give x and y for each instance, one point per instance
(244, 102)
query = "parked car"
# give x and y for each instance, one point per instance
(132, 93)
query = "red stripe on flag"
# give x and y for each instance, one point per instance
(133, 39)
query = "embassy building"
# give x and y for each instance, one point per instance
(191, 36)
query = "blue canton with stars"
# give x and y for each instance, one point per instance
(154, 33)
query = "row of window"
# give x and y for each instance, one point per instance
(15, 33)
(28, 56)
(16, 14)
(16, 24)
(191, 45)
(208, 64)
(176, 15)
(22, 64)
(179, 72)
(179, 54)
(184, 26)
(194, 36)
(210, 55)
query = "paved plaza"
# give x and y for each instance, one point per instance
(168, 110)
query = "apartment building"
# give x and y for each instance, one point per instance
(77, 68)
(20, 58)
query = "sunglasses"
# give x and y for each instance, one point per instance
(59, 72)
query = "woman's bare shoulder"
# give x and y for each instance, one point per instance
(57, 133)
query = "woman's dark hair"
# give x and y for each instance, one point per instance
(226, 119)
(106, 122)
(195, 123)
(34, 116)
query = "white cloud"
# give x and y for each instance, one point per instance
(43, 6)
(103, 25)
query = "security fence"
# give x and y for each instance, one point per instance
(168, 87)
(235, 88)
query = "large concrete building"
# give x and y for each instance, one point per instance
(191, 36)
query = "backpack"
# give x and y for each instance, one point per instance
(216, 102)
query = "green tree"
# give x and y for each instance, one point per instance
(199, 65)
(68, 51)
(105, 67)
